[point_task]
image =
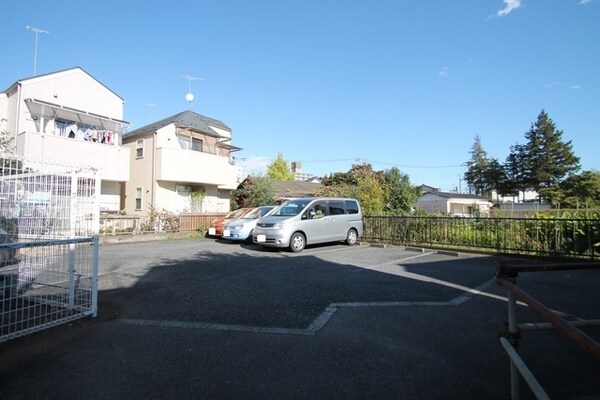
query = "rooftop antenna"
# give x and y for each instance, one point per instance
(37, 31)
(189, 96)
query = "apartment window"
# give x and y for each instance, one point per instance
(139, 148)
(196, 144)
(190, 143)
(138, 198)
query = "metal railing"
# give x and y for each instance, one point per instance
(509, 336)
(569, 237)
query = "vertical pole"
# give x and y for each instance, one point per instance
(72, 227)
(513, 331)
(95, 264)
(97, 181)
(35, 54)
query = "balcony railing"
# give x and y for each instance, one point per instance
(191, 166)
(111, 160)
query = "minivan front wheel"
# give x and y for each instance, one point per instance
(297, 242)
(352, 237)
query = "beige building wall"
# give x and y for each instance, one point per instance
(167, 173)
(140, 175)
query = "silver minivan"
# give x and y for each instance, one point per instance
(310, 220)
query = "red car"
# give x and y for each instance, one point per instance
(216, 226)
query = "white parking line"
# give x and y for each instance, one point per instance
(325, 316)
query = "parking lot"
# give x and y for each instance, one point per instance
(206, 318)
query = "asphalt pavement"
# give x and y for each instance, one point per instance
(206, 319)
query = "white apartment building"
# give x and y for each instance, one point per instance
(69, 118)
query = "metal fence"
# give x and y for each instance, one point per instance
(570, 237)
(48, 247)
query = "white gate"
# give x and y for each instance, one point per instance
(49, 218)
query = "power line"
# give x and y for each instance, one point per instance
(362, 160)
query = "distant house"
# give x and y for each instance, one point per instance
(285, 190)
(181, 163)
(455, 204)
(428, 189)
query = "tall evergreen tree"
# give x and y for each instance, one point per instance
(546, 158)
(515, 172)
(476, 167)
(495, 177)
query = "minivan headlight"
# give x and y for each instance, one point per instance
(280, 225)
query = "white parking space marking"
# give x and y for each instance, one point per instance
(394, 267)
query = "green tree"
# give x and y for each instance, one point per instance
(362, 183)
(5, 142)
(495, 176)
(370, 194)
(254, 191)
(400, 196)
(279, 169)
(546, 159)
(513, 172)
(8, 165)
(476, 168)
(581, 190)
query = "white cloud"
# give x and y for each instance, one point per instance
(557, 84)
(255, 165)
(510, 5)
(444, 73)
(585, 1)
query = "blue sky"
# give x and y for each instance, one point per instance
(331, 83)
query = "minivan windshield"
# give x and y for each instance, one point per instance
(290, 208)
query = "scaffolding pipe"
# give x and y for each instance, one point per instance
(513, 331)
(580, 338)
(530, 326)
(518, 362)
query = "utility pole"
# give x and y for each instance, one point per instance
(37, 31)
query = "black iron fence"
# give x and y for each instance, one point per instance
(578, 238)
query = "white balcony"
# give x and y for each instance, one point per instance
(190, 166)
(111, 160)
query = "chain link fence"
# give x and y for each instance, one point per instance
(48, 245)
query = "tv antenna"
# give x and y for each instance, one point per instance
(189, 96)
(37, 31)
